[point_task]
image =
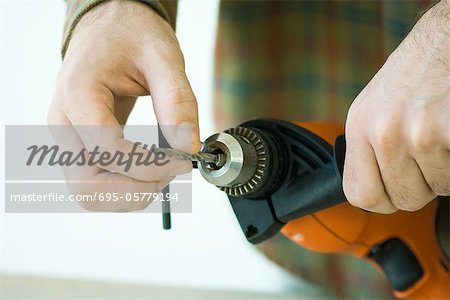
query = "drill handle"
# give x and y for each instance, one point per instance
(319, 188)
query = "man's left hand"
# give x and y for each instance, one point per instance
(398, 128)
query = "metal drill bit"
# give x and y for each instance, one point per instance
(200, 157)
(165, 205)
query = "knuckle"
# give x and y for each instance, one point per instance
(386, 135)
(360, 198)
(168, 43)
(422, 138)
(182, 95)
(364, 201)
(164, 47)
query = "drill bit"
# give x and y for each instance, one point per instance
(198, 157)
(165, 205)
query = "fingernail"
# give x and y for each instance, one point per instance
(184, 132)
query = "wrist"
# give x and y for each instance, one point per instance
(166, 9)
(430, 37)
(438, 17)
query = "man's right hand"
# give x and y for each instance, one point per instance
(121, 50)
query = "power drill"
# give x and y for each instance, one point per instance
(281, 176)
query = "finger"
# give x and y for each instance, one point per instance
(116, 193)
(67, 139)
(96, 181)
(362, 181)
(403, 180)
(92, 104)
(428, 147)
(174, 102)
(435, 168)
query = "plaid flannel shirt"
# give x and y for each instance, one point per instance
(298, 60)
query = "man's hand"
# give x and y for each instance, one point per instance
(398, 128)
(121, 50)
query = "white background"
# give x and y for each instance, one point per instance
(204, 249)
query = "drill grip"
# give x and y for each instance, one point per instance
(309, 193)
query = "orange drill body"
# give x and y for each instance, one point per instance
(282, 176)
(348, 230)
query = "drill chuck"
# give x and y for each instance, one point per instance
(245, 165)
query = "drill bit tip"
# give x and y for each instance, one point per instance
(199, 157)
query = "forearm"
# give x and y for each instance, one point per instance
(76, 9)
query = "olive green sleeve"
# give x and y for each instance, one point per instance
(76, 9)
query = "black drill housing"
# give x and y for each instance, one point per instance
(305, 176)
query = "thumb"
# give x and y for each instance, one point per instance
(174, 104)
